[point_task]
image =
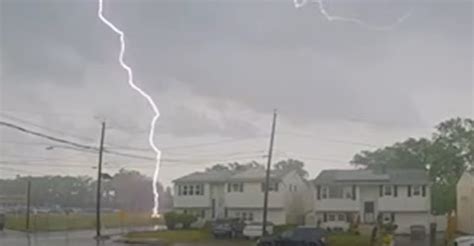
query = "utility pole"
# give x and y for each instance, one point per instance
(28, 204)
(267, 175)
(99, 179)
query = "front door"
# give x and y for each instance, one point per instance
(213, 208)
(369, 212)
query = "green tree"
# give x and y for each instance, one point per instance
(290, 165)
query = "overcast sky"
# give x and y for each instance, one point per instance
(217, 69)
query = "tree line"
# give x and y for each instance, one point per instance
(445, 155)
(128, 190)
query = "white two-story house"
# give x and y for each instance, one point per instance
(398, 196)
(202, 193)
(240, 194)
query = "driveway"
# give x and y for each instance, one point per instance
(406, 241)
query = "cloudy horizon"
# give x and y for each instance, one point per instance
(217, 69)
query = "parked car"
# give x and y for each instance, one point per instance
(304, 236)
(229, 228)
(254, 230)
(464, 241)
(2, 221)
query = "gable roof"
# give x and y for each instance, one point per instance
(206, 176)
(222, 176)
(367, 176)
(258, 174)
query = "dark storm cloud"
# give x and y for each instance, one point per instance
(258, 54)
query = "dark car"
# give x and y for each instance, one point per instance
(228, 228)
(300, 236)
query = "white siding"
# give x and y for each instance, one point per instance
(218, 194)
(336, 223)
(337, 205)
(295, 191)
(252, 197)
(192, 201)
(465, 204)
(405, 203)
(276, 216)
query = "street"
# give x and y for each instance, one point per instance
(77, 238)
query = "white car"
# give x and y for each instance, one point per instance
(464, 241)
(254, 230)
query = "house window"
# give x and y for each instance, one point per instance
(416, 190)
(333, 192)
(331, 217)
(185, 190)
(198, 190)
(324, 192)
(244, 216)
(348, 192)
(387, 190)
(341, 217)
(191, 190)
(250, 216)
(236, 187)
(273, 186)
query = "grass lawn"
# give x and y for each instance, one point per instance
(174, 236)
(61, 222)
(197, 236)
(344, 239)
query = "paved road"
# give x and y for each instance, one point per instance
(76, 238)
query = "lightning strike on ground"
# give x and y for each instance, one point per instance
(329, 17)
(150, 101)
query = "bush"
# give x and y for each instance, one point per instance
(172, 219)
(186, 220)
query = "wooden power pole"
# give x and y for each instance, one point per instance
(267, 175)
(28, 205)
(99, 180)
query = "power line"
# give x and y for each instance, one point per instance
(44, 127)
(68, 142)
(187, 146)
(318, 138)
(14, 170)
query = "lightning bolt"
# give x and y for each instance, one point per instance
(148, 98)
(329, 17)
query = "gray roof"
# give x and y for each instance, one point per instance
(258, 174)
(366, 176)
(253, 174)
(207, 176)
